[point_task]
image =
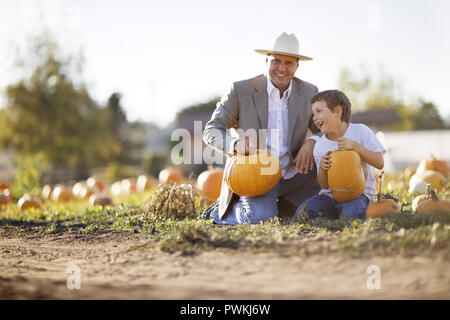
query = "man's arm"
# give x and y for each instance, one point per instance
(224, 117)
(304, 161)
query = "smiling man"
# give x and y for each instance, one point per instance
(276, 104)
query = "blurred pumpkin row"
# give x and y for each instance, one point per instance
(99, 193)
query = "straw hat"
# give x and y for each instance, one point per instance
(286, 44)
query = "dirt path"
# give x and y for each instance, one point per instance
(126, 266)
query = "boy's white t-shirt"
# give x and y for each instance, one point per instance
(361, 134)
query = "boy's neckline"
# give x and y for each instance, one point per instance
(334, 140)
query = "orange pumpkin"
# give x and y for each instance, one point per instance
(5, 189)
(127, 187)
(434, 165)
(77, 188)
(116, 188)
(86, 192)
(62, 193)
(97, 185)
(382, 207)
(345, 175)
(100, 200)
(417, 200)
(434, 178)
(253, 175)
(209, 183)
(4, 199)
(28, 201)
(144, 183)
(47, 192)
(433, 204)
(170, 175)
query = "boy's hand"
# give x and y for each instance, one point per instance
(326, 161)
(346, 144)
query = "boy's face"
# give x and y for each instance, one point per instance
(324, 118)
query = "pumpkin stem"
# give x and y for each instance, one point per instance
(428, 191)
(434, 196)
(380, 177)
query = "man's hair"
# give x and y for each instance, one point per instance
(334, 98)
(298, 59)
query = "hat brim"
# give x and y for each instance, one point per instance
(300, 57)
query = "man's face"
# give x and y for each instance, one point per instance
(281, 69)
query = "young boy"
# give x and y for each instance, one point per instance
(332, 113)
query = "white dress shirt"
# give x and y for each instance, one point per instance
(277, 128)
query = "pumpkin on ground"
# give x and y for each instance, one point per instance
(345, 175)
(433, 204)
(434, 178)
(28, 201)
(5, 189)
(170, 175)
(144, 183)
(434, 164)
(62, 193)
(383, 205)
(127, 187)
(116, 188)
(47, 192)
(96, 184)
(209, 183)
(4, 199)
(418, 187)
(253, 175)
(417, 200)
(86, 192)
(100, 200)
(77, 188)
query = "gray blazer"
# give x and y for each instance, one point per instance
(246, 107)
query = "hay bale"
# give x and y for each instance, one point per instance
(173, 201)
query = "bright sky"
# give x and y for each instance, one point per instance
(165, 55)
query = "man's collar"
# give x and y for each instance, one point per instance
(271, 87)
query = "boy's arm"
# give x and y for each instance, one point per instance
(324, 165)
(375, 159)
(322, 178)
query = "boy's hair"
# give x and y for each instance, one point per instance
(334, 98)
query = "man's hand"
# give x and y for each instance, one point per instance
(244, 147)
(304, 161)
(346, 144)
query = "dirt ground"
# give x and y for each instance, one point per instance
(121, 265)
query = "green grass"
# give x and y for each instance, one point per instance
(404, 234)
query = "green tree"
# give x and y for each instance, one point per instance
(427, 117)
(119, 128)
(47, 113)
(368, 92)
